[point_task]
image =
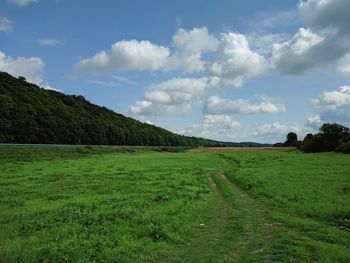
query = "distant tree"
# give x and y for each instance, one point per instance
(315, 144)
(334, 129)
(334, 135)
(22, 79)
(308, 137)
(292, 140)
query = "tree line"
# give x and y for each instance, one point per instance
(30, 114)
(331, 137)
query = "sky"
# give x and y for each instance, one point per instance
(243, 70)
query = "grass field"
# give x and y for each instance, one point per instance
(113, 204)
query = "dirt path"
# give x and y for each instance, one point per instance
(236, 231)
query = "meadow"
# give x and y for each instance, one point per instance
(146, 204)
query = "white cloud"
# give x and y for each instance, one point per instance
(22, 2)
(334, 106)
(324, 13)
(143, 107)
(185, 62)
(196, 40)
(31, 68)
(270, 132)
(314, 122)
(334, 99)
(217, 127)
(262, 42)
(325, 43)
(272, 129)
(229, 59)
(217, 105)
(172, 96)
(342, 65)
(234, 61)
(190, 44)
(125, 55)
(296, 55)
(148, 122)
(231, 64)
(5, 24)
(49, 41)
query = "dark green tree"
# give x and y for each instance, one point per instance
(292, 140)
(333, 135)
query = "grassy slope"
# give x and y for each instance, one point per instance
(255, 206)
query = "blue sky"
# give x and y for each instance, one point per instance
(226, 70)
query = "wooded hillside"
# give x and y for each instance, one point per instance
(30, 114)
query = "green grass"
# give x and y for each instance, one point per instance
(47, 152)
(138, 204)
(110, 207)
(308, 199)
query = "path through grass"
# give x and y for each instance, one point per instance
(110, 205)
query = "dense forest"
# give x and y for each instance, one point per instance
(30, 114)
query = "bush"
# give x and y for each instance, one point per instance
(344, 148)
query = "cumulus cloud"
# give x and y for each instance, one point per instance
(296, 55)
(323, 44)
(22, 3)
(5, 24)
(30, 68)
(334, 99)
(190, 44)
(334, 106)
(125, 55)
(217, 127)
(234, 61)
(233, 58)
(195, 40)
(217, 105)
(230, 58)
(172, 96)
(324, 13)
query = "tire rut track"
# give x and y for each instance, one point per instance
(237, 230)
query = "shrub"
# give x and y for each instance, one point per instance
(344, 148)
